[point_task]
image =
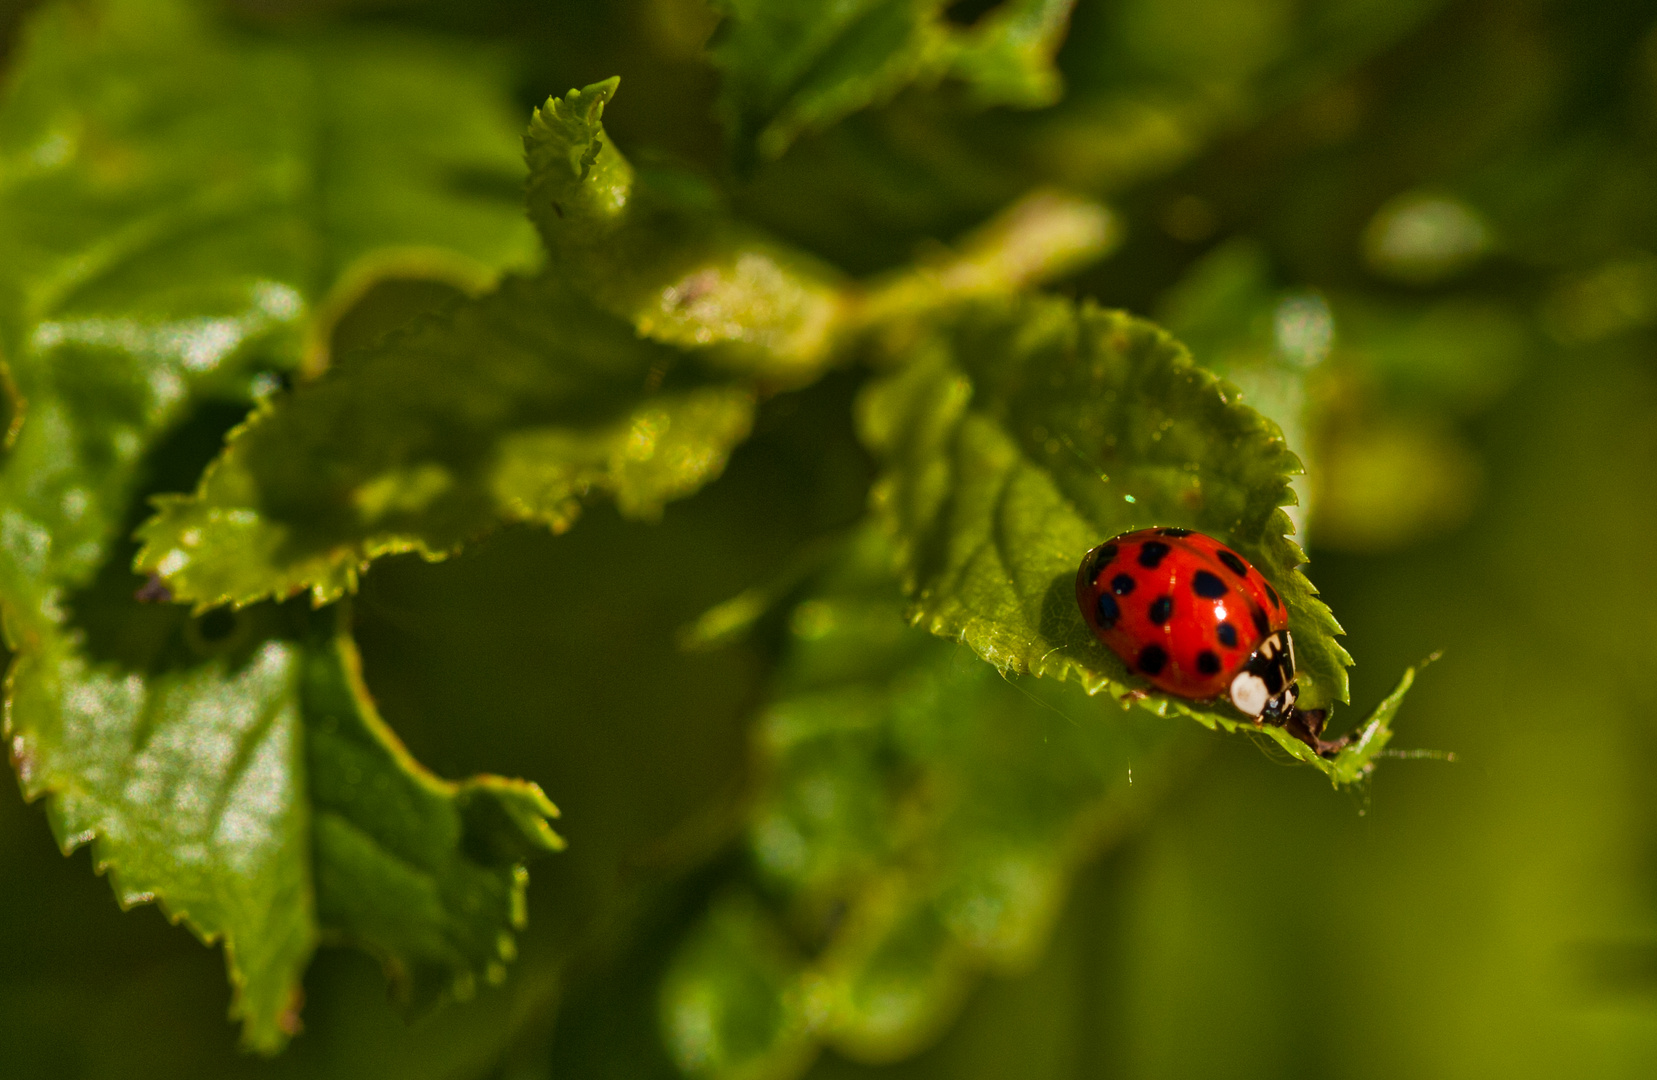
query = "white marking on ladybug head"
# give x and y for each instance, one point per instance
(1248, 693)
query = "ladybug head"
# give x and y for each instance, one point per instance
(1264, 687)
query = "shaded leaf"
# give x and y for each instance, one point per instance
(1021, 434)
(426, 874)
(659, 251)
(790, 67)
(514, 406)
(918, 820)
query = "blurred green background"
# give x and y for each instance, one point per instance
(1423, 236)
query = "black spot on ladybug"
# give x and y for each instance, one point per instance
(1162, 609)
(1206, 584)
(1151, 659)
(1260, 622)
(1152, 553)
(1104, 558)
(1228, 635)
(1108, 611)
(1176, 533)
(1233, 563)
(1271, 592)
(1208, 663)
(1122, 584)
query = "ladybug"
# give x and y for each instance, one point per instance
(1198, 621)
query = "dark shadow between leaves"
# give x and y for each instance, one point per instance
(970, 12)
(150, 635)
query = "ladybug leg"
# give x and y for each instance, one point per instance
(1307, 726)
(1133, 696)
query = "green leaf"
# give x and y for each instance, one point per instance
(235, 771)
(189, 784)
(155, 166)
(172, 226)
(657, 250)
(789, 67)
(918, 820)
(1020, 434)
(512, 407)
(1357, 759)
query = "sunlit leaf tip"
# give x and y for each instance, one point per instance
(661, 252)
(1006, 58)
(507, 821)
(1357, 759)
(576, 180)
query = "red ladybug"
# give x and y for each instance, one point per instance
(1194, 618)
